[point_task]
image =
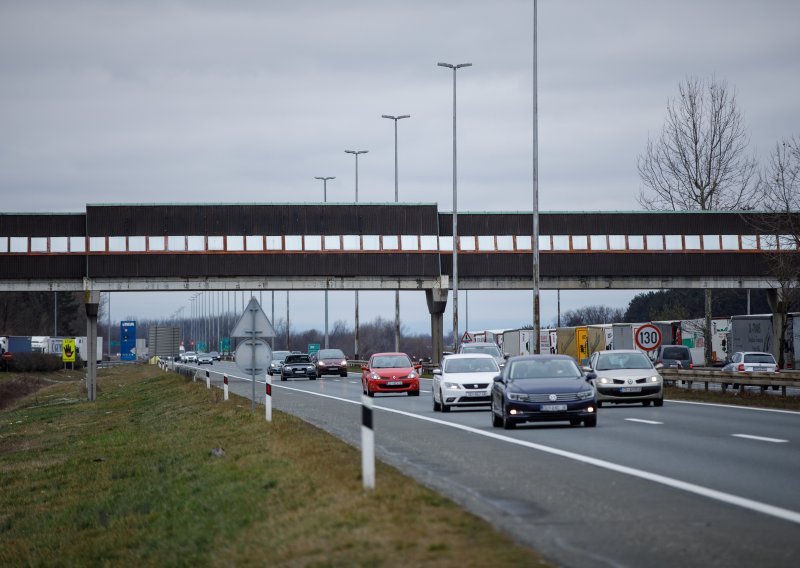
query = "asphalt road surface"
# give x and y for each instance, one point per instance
(682, 485)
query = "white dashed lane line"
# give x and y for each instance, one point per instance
(760, 438)
(643, 421)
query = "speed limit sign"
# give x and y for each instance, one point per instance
(648, 337)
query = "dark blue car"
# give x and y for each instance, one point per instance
(543, 388)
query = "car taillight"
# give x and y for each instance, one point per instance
(691, 365)
(740, 367)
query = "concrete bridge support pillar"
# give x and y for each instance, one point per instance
(437, 302)
(92, 300)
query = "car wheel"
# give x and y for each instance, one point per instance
(436, 406)
(645, 403)
(590, 422)
(445, 407)
(658, 402)
(312, 378)
(343, 375)
(413, 393)
(599, 404)
(370, 394)
(283, 378)
(497, 421)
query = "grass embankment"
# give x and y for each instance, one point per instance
(130, 479)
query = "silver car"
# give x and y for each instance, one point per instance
(486, 347)
(751, 362)
(624, 376)
(277, 362)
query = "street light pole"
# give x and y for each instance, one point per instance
(325, 200)
(396, 199)
(356, 153)
(455, 206)
(535, 236)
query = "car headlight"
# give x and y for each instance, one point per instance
(583, 395)
(654, 379)
(516, 396)
(412, 375)
(344, 362)
(375, 376)
(310, 368)
(453, 386)
(604, 380)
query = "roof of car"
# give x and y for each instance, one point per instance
(469, 356)
(542, 357)
(623, 351)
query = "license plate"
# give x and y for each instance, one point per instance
(394, 383)
(298, 371)
(554, 407)
(631, 389)
(476, 394)
(760, 368)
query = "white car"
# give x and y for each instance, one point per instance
(189, 357)
(624, 376)
(464, 380)
(751, 362)
(205, 359)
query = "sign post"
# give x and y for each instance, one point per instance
(254, 355)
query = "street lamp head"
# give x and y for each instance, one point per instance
(440, 64)
(325, 178)
(458, 66)
(356, 152)
(395, 118)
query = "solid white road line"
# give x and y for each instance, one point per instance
(643, 421)
(760, 438)
(736, 406)
(771, 510)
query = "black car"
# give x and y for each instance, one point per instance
(543, 388)
(299, 366)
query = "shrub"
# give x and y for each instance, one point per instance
(38, 362)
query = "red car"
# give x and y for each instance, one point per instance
(390, 372)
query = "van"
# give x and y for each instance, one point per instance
(674, 357)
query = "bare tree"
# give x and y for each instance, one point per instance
(779, 197)
(700, 160)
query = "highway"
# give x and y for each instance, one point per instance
(681, 485)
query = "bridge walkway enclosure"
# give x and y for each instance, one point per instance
(379, 246)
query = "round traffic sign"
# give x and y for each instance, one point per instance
(253, 356)
(648, 337)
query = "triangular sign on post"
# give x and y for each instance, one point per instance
(246, 326)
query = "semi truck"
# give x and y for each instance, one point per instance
(573, 341)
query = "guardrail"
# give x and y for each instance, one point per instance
(784, 379)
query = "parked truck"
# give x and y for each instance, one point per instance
(600, 338)
(573, 341)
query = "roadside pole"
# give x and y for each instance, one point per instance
(268, 399)
(253, 355)
(225, 387)
(367, 444)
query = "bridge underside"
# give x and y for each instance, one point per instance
(384, 283)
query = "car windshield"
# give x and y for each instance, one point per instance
(675, 353)
(391, 362)
(544, 369)
(330, 354)
(298, 359)
(492, 350)
(279, 355)
(470, 365)
(759, 358)
(610, 361)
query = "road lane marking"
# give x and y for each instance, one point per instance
(745, 503)
(643, 421)
(760, 438)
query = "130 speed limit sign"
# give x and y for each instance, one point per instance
(648, 337)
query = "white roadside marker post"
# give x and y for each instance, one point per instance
(367, 444)
(225, 388)
(268, 399)
(208, 380)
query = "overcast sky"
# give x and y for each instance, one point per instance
(247, 101)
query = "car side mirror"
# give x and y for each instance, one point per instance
(437, 372)
(506, 355)
(659, 366)
(417, 366)
(499, 379)
(587, 368)
(591, 375)
(364, 367)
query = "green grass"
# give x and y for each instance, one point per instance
(130, 480)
